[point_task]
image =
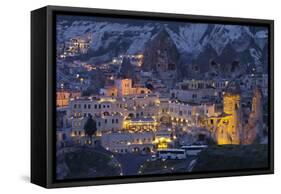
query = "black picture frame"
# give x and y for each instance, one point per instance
(43, 96)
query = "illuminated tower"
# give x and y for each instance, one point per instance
(229, 127)
(123, 86)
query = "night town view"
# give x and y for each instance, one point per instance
(144, 97)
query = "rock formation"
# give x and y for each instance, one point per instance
(253, 130)
(161, 55)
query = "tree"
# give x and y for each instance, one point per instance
(90, 127)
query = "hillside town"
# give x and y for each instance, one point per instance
(135, 105)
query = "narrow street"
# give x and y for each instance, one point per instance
(130, 163)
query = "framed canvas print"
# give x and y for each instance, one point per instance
(125, 96)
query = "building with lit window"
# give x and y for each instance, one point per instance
(140, 124)
(77, 45)
(109, 91)
(109, 122)
(123, 87)
(127, 142)
(164, 139)
(64, 96)
(198, 91)
(227, 127)
(82, 107)
(186, 113)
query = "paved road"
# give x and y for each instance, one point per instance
(182, 166)
(191, 165)
(130, 163)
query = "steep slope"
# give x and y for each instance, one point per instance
(195, 46)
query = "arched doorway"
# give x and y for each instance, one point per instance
(146, 149)
(106, 113)
(131, 115)
(165, 119)
(136, 150)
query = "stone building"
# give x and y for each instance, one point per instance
(227, 127)
(230, 126)
(63, 96)
(123, 87)
(198, 91)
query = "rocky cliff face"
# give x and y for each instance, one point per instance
(253, 130)
(127, 69)
(195, 47)
(161, 55)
